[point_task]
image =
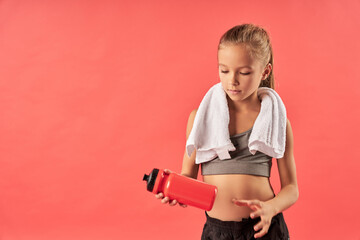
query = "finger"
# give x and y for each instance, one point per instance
(254, 207)
(248, 202)
(245, 203)
(255, 202)
(159, 195)
(240, 202)
(259, 226)
(167, 171)
(264, 225)
(182, 205)
(173, 202)
(262, 232)
(165, 200)
(256, 213)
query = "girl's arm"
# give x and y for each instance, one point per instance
(288, 194)
(189, 167)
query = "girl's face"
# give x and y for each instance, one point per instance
(239, 71)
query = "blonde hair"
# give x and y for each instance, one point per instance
(257, 41)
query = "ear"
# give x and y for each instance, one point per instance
(267, 71)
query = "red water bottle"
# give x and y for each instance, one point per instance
(184, 189)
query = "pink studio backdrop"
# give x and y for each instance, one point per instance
(93, 94)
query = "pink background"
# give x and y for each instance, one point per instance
(93, 94)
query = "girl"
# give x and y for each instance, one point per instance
(246, 206)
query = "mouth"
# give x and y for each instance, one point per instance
(234, 92)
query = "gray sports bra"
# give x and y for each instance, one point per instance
(241, 162)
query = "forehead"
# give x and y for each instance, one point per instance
(234, 56)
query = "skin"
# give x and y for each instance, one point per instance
(240, 195)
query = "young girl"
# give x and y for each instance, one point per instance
(245, 206)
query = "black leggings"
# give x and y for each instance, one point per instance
(216, 229)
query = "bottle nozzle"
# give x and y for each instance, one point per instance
(151, 179)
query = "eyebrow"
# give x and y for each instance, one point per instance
(220, 64)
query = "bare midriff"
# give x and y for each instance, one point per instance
(237, 186)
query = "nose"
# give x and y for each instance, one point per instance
(233, 79)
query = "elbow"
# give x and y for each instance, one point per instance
(293, 192)
(296, 193)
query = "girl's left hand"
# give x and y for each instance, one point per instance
(260, 209)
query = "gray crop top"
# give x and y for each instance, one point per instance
(241, 162)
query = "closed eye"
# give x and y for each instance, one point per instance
(240, 72)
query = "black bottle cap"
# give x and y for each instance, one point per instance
(150, 179)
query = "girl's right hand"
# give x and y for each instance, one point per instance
(165, 200)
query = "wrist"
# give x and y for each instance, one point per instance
(274, 209)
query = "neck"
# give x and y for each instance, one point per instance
(250, 104)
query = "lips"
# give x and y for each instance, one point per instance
(234, 92)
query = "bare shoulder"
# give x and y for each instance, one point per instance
(193, 113)
(289, 142)
(287, 122)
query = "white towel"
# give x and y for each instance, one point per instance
(210, 132)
